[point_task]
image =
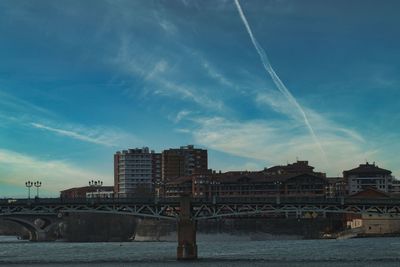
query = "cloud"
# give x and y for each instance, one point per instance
(160, 67)
(159, 78)
(16, 168)
(213, 73)
(12, 104)
(275, 101)
(101, 136)
(186, 92)
(278, 82)
(168, 27)
(277, 142)
(180, 115)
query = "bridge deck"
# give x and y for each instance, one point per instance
(169, 208)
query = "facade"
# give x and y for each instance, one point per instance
(87, 192)
(374, 224)
(135, 171)
(101, 194)
(395, 187)
(282, 181)
(336, 187)
(183, 161)
(366, 176)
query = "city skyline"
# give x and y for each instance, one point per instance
(82, 80)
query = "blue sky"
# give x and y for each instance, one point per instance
(80, 80)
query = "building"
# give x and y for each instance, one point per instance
(285, 181)
(336, 187)
(87, 192)
(366, 176)
(135, 171)
(183, 161)
(300, 166)
(394, 187)
(374, 224)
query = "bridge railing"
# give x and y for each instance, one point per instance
(85, 201)
(197, 201)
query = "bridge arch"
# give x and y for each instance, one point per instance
(32, 229)
(36, 232)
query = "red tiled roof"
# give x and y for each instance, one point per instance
(370, 192)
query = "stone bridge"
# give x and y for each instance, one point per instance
(40, 227)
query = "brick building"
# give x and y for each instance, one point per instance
(183, 161)
(297, 179)
(87, 192)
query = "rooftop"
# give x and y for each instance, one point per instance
(367, 168)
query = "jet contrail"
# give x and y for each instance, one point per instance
(282, 88)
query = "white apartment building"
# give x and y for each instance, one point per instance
(135, 171)
(367, 176)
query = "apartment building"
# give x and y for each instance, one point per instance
(135, 171)
(293, 180)
(183, 161)
(367, 176)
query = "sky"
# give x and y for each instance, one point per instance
(257, 83)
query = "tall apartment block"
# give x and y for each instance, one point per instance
(183, 161)
(135, 171)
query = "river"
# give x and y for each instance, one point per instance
(351, 252)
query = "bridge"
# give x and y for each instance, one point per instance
(186, 211)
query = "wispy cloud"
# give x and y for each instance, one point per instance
(180, 115)
(168, 26)
(101, 136)
(11, 105)
(277, 142)
(55, 175)
(215, 74)
(188, 93)
(275, 101)
(157, 75)
(278, 82)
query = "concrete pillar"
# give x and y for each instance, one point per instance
(38, 236)
(187, 247)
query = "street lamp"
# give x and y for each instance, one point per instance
(96, 184)
(29, 184)
(37, 184)
(278, 188)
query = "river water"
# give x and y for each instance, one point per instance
(351, 252)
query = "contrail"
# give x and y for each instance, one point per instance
(282, 88)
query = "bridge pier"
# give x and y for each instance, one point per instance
(187, 247)
(39, 236)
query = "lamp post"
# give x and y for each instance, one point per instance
(96, 185)
(37, 184)
(278, 189)
(158, 188)
(29, 184)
